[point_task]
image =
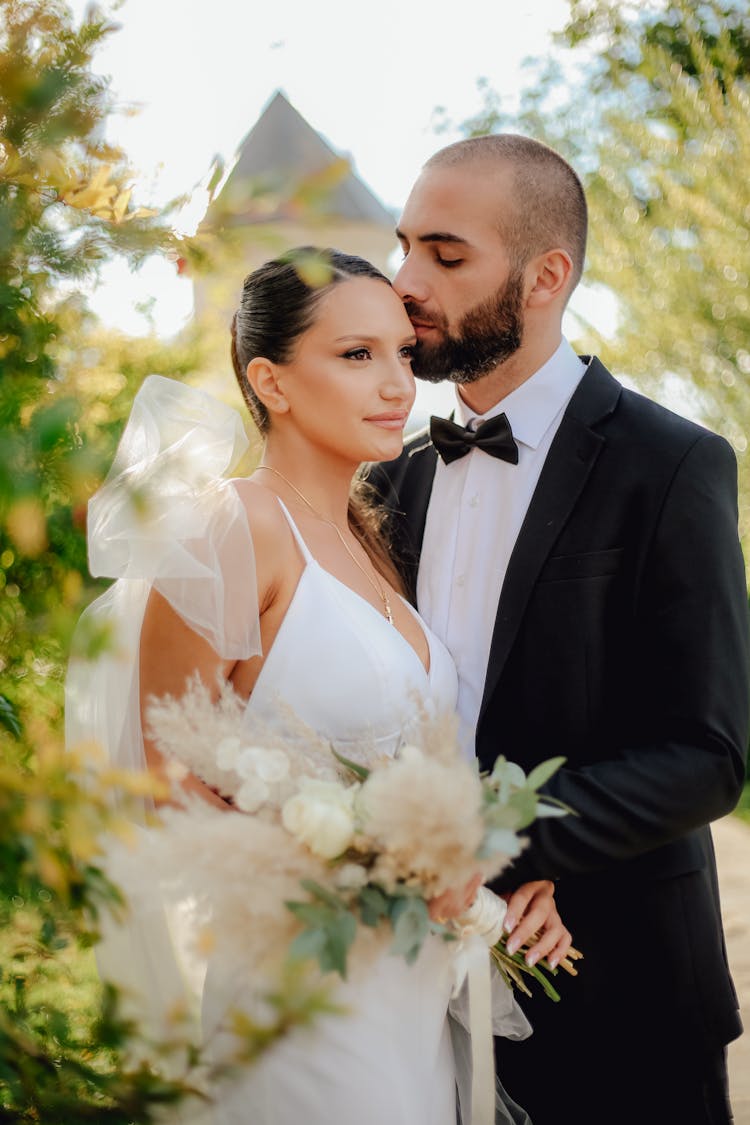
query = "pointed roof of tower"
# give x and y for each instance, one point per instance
(282, 152)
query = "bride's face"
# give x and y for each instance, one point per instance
(349, 386)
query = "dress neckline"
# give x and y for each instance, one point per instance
(310, 559)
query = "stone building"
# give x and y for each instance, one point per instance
(287, 188)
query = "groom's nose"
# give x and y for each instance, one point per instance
(408, 283)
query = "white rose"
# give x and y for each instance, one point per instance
(321, 816)
(226, 753)
(251, 794)
(270, 765)
(351, 876)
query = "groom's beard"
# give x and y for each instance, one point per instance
(487, 336)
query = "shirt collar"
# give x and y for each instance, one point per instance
(532, 407)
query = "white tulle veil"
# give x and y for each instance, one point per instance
(166, 517)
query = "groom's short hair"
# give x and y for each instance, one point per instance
(549, 201)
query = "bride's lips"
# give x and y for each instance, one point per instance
(393, 420)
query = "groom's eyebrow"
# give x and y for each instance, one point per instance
(434, 236)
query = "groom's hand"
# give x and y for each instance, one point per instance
(532, 918)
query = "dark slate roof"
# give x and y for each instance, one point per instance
(282, 152)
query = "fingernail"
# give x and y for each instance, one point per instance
(532, 958)
(554, 961)
(509, 923)
(512, 946)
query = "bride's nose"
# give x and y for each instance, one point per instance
(398, 385)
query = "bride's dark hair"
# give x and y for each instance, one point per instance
(277, 306)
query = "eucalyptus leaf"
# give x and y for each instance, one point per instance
(340, 934)
(500, 840)
(311, 913)
(550, 810)
(323, 894)
(502, 816)
(543, 772)
(525, 802)
(308, 944)
(373, 905)
(411, 924)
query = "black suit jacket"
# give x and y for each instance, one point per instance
(621, 642)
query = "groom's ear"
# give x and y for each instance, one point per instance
(265, 379)
(548, 278)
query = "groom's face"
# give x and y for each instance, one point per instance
(461, 289)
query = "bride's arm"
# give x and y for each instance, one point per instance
(170, 653)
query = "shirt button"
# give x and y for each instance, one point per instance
(460, 580)
(474, 502)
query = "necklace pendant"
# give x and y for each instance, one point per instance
(388, 613)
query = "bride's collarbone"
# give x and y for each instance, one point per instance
(280, 565)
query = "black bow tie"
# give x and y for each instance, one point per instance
(494, 436)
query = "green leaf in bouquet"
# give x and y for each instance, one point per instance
(543, 772)
(358, 770)
(498, 815)
(307, 945)
(323, 894)
(553, 806)
(330, 929)
(506, 776)
(547, 807)
(525, 802)
(340, 934)
(373, 905)
(411, 924)
(499, 841)
(311, 913)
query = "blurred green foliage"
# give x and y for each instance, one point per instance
(66, 387)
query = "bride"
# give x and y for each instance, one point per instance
(282, 585)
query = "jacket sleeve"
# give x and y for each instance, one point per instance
(692, 613)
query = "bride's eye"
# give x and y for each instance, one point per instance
(358, 353)
(407, 351)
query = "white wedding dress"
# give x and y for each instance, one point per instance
(341, 668)
(352, 677)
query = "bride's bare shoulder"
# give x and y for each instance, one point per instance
(265, 518)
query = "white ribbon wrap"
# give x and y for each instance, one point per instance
(483, 1006)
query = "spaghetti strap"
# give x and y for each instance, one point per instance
(296, 533)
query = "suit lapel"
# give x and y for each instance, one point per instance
(405, 488)
(416, 490)
(571, 458)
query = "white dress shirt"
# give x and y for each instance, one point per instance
(476, 509)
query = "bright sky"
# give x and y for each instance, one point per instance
(369, 78)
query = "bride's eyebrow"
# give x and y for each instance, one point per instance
(362, 337)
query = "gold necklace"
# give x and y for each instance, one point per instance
(374, 582)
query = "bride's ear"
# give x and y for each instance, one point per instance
(265, 379)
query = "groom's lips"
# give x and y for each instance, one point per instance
(422, 326)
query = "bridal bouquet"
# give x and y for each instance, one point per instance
(334, 853)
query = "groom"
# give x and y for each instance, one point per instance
(576, 548)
